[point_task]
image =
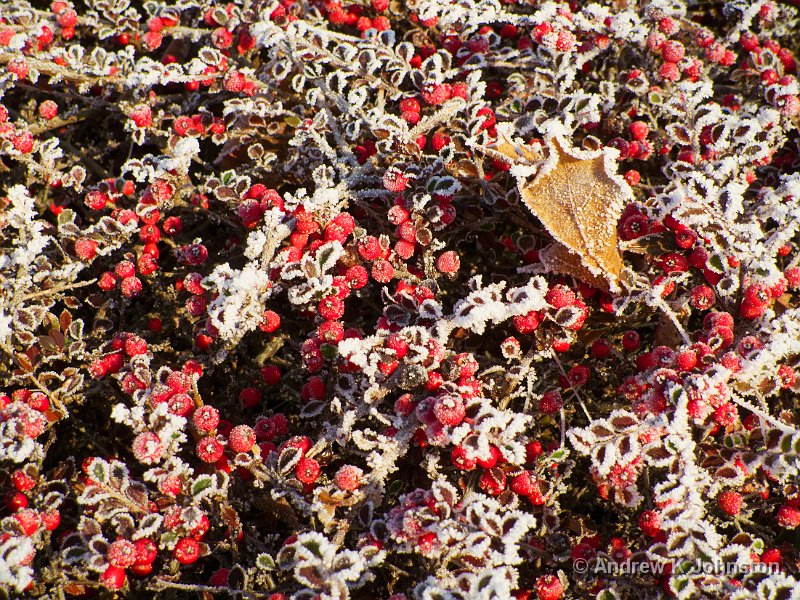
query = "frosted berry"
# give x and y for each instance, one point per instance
(551, 402)
(526, 323)
(672, 51)
(639, 130)
(307, 470)
(560, 296)
(702, 297)
(730, 502)
(187, 551)
(394, 180)
(548, 587)
(650, 523)
(449, 410)
(142, 116)
(630, 341)
(96, 200)
(28, 519)
(448, 262)
(241, 438)
(22, 481)
(331, 308)
(113, 578)
(131, 287)
(147, 447)
(435, 94)
(493, 482)
(788, 517)
(121, 553)
(48, 110)
(382, 271)
(146, 551)
(270, 321)
(757, 294)
(369, 248)
(523, 484)
(209, 449)
(348, 477)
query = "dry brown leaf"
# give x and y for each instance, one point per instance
(557, 258)
(578, 197)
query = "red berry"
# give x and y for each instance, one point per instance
(348, 477)
(551, 402)
(730, 502)
(356, 277)
(331, 308)
(96, 200)
(22, 481)
(757, 294)
(394, 180)
(113, 577)
(51, 519)
(523, 484)
(526, 323)
(142, 116)
(382, 271)
(249, 397)
(271, 321)
(146, 551)
(241, 438)
(307, 470)
(548, 587)
(121, 553)
(147, 447)
(458, 456)
(493, 482)
(702, 297)
(449, 410)
(788, 517)
(209, 449)
(16, 501)
(639, 130)
(29, 520)
(187, 551)
(669, 72)
(448, 262)
(435, 94)
(205, 419)
(560, 296)
(131, 287)
(672, 51)
(369, 248)
(601, 348)
(48, 110)
(650, 523)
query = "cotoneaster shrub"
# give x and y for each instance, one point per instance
(274, 321)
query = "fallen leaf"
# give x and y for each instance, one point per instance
(557, 258)
(579, 198)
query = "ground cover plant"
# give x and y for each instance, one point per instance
(377, 299)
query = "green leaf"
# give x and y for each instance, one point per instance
(100, 470)
(328, 351)
(228, 177)
(66, 216)
(265, 561)
(314, 547)
(201, 485)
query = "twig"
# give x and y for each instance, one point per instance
(54, 290)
